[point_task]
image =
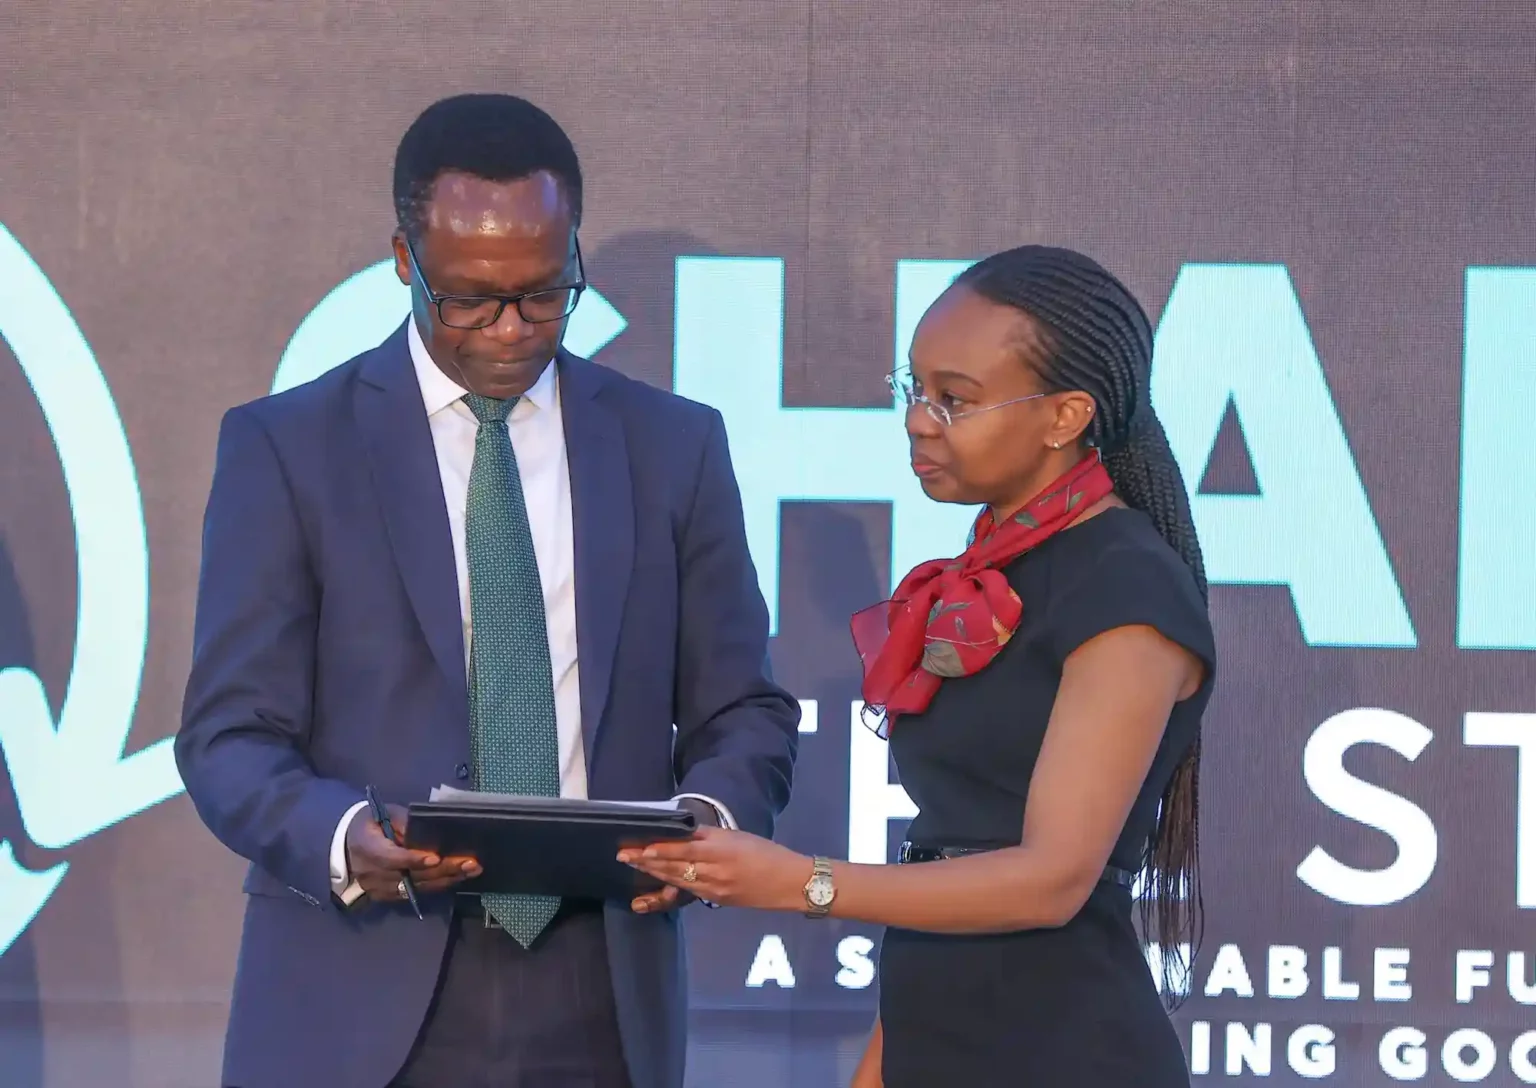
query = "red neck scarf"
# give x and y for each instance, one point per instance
(950, 617)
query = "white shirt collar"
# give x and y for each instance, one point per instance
(439, 391)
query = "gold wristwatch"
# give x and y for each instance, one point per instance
(819, 890)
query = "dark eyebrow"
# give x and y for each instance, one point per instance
(472, 285)
(954, 377)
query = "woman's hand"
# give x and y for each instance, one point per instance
(730, 868)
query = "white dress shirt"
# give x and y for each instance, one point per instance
(538, 441)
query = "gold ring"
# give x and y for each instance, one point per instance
(690, 872)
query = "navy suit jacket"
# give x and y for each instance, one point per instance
(328, 654)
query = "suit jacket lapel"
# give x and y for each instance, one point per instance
(410, 491)
(603, 523)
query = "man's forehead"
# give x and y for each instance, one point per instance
(493, 262)
(531, 206)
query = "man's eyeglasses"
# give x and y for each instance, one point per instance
(907, 393)
(482, 311)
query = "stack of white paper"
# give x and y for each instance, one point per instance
(478, 797)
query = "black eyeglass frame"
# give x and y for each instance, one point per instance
(502, 301)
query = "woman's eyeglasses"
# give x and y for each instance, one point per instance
(908, 393)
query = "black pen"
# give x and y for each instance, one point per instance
(385, 826)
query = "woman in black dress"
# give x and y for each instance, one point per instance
(1043, 694)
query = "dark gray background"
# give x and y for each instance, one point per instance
(194, 177)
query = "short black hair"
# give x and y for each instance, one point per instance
(498, 137)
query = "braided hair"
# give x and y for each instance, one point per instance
(1096, 339)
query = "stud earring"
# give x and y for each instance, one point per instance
(1055, 445)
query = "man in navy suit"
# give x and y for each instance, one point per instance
(469, 557)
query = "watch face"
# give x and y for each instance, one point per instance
(820, 892)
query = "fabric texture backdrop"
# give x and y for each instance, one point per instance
(194, 178)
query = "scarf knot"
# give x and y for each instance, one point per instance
(950, 617)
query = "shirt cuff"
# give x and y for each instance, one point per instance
(727, 821)
(343, 886)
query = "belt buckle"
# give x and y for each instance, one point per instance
(904, 853)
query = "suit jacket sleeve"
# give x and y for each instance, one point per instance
(242, 749)
(737, 731)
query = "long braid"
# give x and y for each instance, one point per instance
(1097, 339)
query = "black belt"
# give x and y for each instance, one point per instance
(910, 853)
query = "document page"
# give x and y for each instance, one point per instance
(457, 796)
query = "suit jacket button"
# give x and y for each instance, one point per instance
(462, 770)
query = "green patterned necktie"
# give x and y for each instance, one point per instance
(515, 743)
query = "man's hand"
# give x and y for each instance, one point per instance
(667, 899)
(377, 864)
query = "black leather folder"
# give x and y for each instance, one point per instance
(546, 846)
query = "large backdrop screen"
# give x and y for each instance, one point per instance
(1327, 208)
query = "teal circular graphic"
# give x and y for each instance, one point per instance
(70, 775)
(368, 306)
(83, 745)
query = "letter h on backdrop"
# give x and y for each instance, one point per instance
(732, 309)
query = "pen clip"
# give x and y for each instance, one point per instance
(387, 827)
(380, 816)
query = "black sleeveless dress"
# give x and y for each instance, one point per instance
(1075, 1006)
